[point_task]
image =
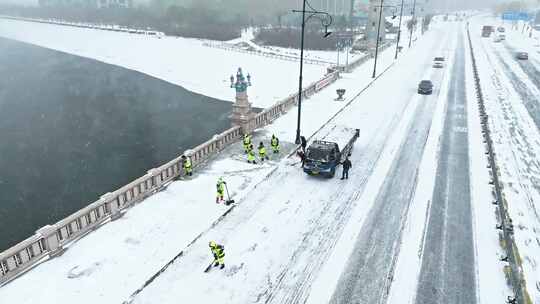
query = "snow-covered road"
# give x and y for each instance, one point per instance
(367, 275)
(449, 240)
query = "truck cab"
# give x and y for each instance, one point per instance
(322, 158)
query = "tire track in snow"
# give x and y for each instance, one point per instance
(448, 268)
(321, 239)
(518, 136)
(365, 279)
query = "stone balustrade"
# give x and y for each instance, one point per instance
(51, 240)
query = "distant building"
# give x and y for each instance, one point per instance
(114, 3)
(88, 3)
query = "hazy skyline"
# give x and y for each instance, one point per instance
(448, 4)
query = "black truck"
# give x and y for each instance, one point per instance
(323, 156)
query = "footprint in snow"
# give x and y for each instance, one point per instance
(77, 272)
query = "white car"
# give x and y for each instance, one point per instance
(438, 65)
(438, 62)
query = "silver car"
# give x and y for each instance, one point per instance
(522, 55)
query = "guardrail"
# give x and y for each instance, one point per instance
(104, 27)
(267, 116)
(51, 240)
(265, 54)
(514, 272)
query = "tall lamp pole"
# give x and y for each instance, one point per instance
(399, 29)
(381, 6)
(412, 20)
(326, 22)
(377, 43)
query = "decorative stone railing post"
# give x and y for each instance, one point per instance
(242, 114)
(113, 204)
(48, 233)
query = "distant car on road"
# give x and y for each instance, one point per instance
(501, 29)
(487, 30)
(497, 39)
(425, 87)
(438, 62)
(502, 36)
(522, 55)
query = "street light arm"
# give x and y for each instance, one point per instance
(326, 20)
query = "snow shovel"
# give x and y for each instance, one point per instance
(210, 266)
(229, 200)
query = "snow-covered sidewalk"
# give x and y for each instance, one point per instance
(185, 62)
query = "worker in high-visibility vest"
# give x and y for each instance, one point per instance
(262, 152)
(274, 142)
(186, 164)
(220, 185)
(218, 251)
(251, 155)
(247, 142)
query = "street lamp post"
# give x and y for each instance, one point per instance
(377, 43)
(412, 20)
(399, 29)
(381, 6)
(326, 22)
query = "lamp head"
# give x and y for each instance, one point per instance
(326, 32)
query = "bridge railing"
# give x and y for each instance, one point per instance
(51, 240)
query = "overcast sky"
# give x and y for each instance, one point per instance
(450, 4)
(22, 2)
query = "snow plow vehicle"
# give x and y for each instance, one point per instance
(323, 156)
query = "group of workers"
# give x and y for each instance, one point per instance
(248, 148)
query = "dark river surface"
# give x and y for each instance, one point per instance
(72, 129)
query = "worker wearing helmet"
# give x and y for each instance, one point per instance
(262, 152)
(186, 164)
(275, 144)
(251, 155)
(219, 254)
(220, 185)
(247, 142)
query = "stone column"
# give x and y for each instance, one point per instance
(48, 233)
(115, 209)
(242, 114)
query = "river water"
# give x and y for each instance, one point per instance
(72, 129)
